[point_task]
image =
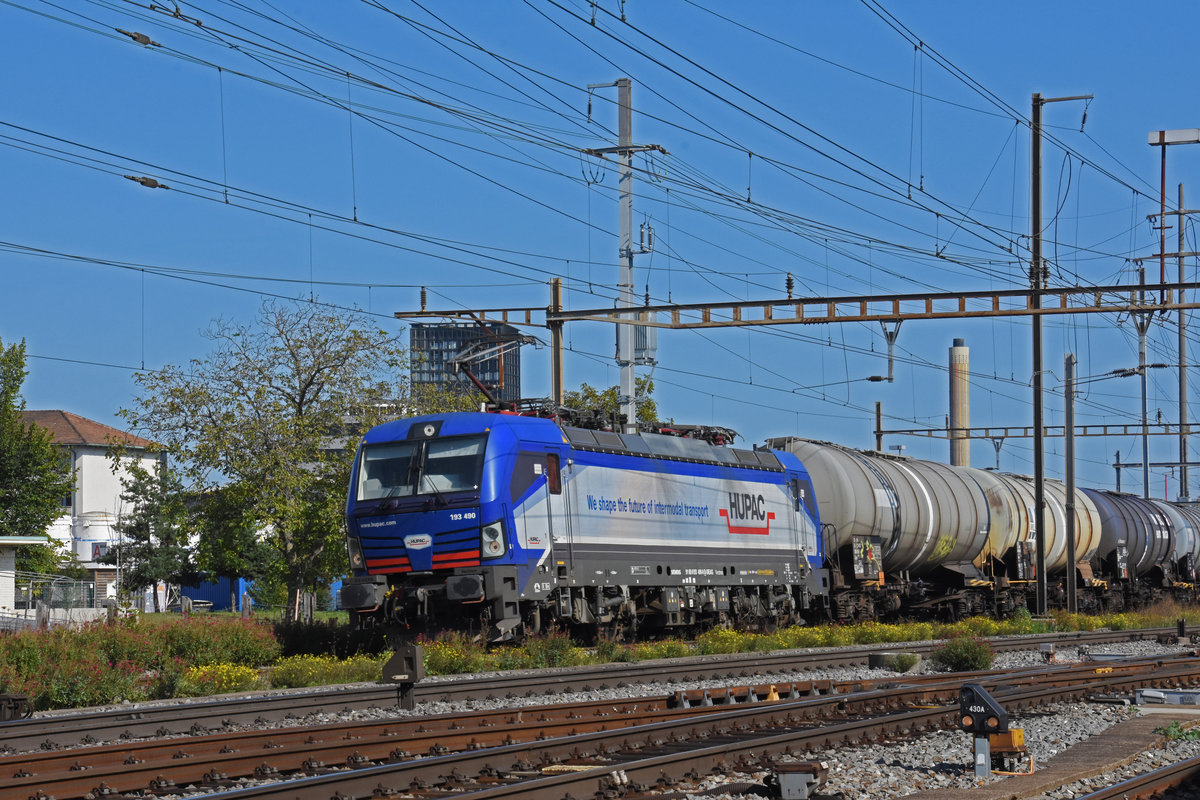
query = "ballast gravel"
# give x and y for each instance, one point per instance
(943, 759)
(936, 760)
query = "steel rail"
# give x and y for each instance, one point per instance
(664, 753)
(54, 731)
(1152, 784)
(131, 767)
(103, 770)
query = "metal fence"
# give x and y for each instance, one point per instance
(56, 591)
(61, 601)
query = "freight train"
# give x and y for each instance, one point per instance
(505, 525)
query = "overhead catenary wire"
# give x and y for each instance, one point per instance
(756, 220)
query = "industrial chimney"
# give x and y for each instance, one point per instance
(960, 404)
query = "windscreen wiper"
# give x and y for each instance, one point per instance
(437, 492)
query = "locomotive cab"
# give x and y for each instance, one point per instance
(416, 509)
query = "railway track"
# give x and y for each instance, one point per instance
(66, 730)
(1155, 784)
(554, 751)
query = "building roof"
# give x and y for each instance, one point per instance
(15, 541)
(68, 428)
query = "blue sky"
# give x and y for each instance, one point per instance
(356, 151)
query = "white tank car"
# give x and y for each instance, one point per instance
(929, 515)
(1136, 532)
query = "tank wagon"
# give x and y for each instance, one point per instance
(958, 540)
(505, 524)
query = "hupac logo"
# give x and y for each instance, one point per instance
(746, 507)
(743, 506)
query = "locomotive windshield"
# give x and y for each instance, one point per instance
(401, 469)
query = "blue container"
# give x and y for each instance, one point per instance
(217, 593)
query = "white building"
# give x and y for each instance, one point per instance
(8, 566)
(91, 511)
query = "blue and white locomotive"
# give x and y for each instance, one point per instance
(506, 524)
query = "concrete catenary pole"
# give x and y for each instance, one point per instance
(960, 404)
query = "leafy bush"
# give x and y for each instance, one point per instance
(218, 679)
(608, 651)
(452, 654)
(1021, 621)
(553, 650)
(135, 658)
(209, 640)
(296, 671)
(62, 669)
(963, 653)
(868, 633)
(903, 662)
(1175, 732)
(667, 648)
(799, 637)
(720, 640)
(160, 656)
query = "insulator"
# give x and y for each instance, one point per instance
(791, 284)
(422, 298)
(650, 240)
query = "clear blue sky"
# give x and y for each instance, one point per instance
(878, 166)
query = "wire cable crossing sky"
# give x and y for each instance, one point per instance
(169, 164)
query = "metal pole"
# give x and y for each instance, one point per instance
(1183, 419)
(1142, 322)
(556, 343)
(1162, 221)
(1069, 430)
(878, 426)
(625, 286)
(1035, 281)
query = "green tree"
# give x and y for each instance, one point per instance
(52, 558)
(426, 399)
(34, 477)
(155, 532)
(589, 398)
(277, 409)
(231, 544)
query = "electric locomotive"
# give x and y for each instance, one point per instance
(504, 525)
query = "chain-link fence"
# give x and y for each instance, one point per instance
(44, 600)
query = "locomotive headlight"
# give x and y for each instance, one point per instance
(492, 540)
(354, 553)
